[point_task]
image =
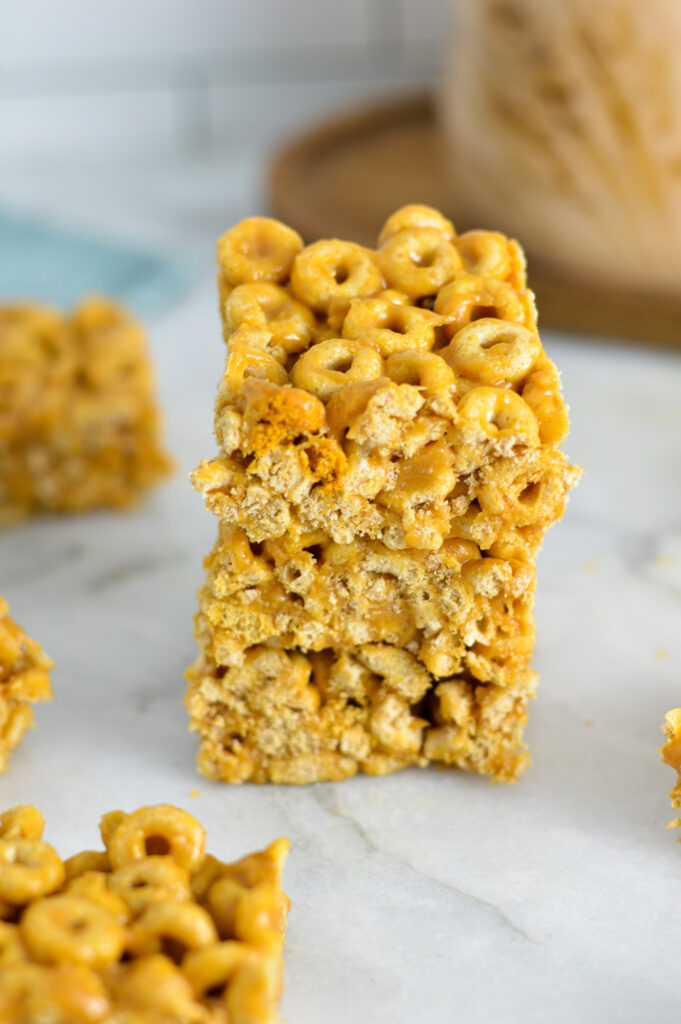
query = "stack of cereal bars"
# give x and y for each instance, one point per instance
(79, 427)
(389, 429)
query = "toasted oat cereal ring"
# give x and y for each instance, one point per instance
(222, 901)
(245, 360)
(422, 369)
(22, 822)
(524, 489)
(498, 413)
(418, 261)
(72, 929)
(58, 994)
(254, 991)
(390, 326)
(467, 298)
(28, 869)
(331, 365)
(416, 215)
(541, 391)
(493, 351)
(270, 308)
(85, 861)
(258, 249)
(154, 985)
(171, 928)
(331, 270)
(161, 830)
(491, 254)
(267, 865)
(212, 968)
(150, 880)
(212, 868)
(108, 824)
(94, 886)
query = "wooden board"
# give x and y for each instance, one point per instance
(342, 179)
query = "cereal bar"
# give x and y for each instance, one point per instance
(150, 930)
(671, 753)
(389, 430)
(79, 427)
(24, 680)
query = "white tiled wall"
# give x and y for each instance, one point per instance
(136, 81)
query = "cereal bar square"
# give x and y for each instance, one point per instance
(79, 428)
(151, 929)
(389, 428)
(24, 680)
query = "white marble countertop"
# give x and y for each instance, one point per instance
(427, 895)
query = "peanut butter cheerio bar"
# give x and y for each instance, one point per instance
(79, 427)
(150, 930)
(24, 680)
(389, 428)
(671, 755)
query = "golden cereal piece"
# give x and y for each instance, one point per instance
(418, 261)
(142, 882)
(390, 326)
(29, 868)
(22, 822)
(467, 298)
(155, 984)
(425, 370)
(108, 825)
(94, 886)
(60, 994)
(268, 307)
(245, 360)
(524, 489)
(493, 352)
(72, 929)
(541, 391)
(212, 968)
(258, 249)
(173, 928)
(86, 861)
(333, 364)
(160, 830)
(331, 270)
(498, 414)
(416, 216)
(491, 254)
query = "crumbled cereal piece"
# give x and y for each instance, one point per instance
(150, 930)
(24, 680)
(389, 429)
(79, 427)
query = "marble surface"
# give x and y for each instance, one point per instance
(427, 895)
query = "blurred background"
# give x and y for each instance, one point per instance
(152, 121)
(133, 134)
